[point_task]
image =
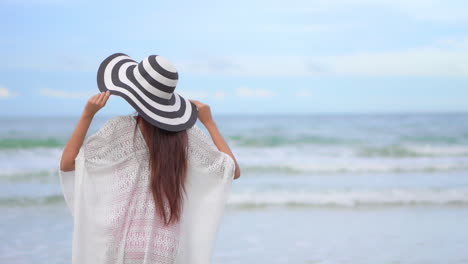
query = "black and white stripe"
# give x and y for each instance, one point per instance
(149, 87)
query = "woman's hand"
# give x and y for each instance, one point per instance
(95, 104)
(98, 101)
(204, 112)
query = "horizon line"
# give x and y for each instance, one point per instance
(260, 114)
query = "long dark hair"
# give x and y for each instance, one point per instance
(168, 166)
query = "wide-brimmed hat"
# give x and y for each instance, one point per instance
(149, 87)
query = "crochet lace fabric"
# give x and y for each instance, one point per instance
(113, 143)
(133, 231)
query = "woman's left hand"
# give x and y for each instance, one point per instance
(96, 102)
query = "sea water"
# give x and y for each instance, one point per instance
(351, 188)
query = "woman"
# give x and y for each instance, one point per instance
(148, 188)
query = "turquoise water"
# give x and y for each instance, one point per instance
(314, 189)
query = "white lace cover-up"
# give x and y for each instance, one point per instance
(113, 209)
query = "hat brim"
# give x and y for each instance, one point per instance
(116, 74)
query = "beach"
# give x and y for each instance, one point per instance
(319, 188)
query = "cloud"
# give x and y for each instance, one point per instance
(303, 92)
(203, 94)
(54, 63)
(210, 65)
(248, 66)
(422, 61)
(219, 95)
(295, 28)
(250, 92)
(6, 93)
(430, 10)
(64, 94)
(444, 11)
(195, 94)
(242, 91)
(443, 58)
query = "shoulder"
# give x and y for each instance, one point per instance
(197, 136)
(112, 141)
(112, 126)
(203, 151)
(118, 122)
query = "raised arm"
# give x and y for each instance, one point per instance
(75, 142)
(204, 115)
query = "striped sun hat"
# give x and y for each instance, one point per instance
(149, 87)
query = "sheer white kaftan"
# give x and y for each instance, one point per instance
(112, 206)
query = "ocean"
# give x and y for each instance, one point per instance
(335, 188)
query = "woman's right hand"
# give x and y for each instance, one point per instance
(204, 112)
(96, 103)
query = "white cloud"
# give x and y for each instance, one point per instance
(430, 10)
(423, 61)
(444, 11)
(443, 58)
(64, 94)
(56, 63)
(250, 92)
(303, 92)
(203, 94)
(219, 95)
(295, 28)
(248, 66)
(6, 93)
(242, 91)
(195, 94)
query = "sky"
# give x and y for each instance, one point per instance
(243, 56)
